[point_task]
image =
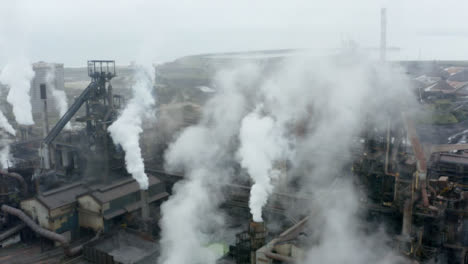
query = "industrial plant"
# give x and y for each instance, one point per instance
(255, 157)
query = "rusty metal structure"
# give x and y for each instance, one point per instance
(419, 191)
(422, 192)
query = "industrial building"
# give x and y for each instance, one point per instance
(70, 190)
(52, 75)
(56, 210)
(69, 193)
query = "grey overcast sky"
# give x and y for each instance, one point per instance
(72, 32)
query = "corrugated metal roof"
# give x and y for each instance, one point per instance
(62, 196)
(457, 85)
(440, 86)
(461, 76)
(453, 70)
(68, 194)
(104, 194)
(134, 206)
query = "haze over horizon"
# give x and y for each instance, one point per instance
(125, 31)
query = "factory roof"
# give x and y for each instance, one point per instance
(68, 194)
(134, 206)
(440, 86)
(427, 80)
(463, 91)
(62, 196)
(461, 76)
(43, 64)
(454, 70)
(457, 85)
(106, 193)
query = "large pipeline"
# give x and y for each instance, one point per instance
(279, 257)
(12, 231)
(18, 177)
(64, 242)
(286, 235)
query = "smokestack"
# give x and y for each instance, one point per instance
(257, 234)
(383, 34)
(45, 151)
(144, 204)
(43, 91)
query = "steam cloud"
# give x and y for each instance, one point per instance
(206, 153)
(5, 156)
(261, 144)
(4, 124)
(59, 96)
(314, 108)
(343, 95)
(126, 130)
(17, 75)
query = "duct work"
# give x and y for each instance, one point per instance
(6, 234)
(19, 178)
(64, 242)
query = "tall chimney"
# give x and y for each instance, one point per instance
(257, 233)
(45, 149)
(144, 204)
(43, 91)
(383, 34)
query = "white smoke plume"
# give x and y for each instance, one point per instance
(341, 95)
(261, 144)
(5, 125)
(5, 156)
(6, 159)
(206, 152)
(60, 98)
(317, 107)
(17, 75)
(126, 130)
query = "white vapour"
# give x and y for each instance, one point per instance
(6, 159)
(206, 154)
(17, 75)
(317, 107)
(342, 95)
(7, 128)
(5, 156)
(6, 125)
(261, 143)
(60, 98)
(126, 130)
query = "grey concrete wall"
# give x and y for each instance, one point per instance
(41, 70)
